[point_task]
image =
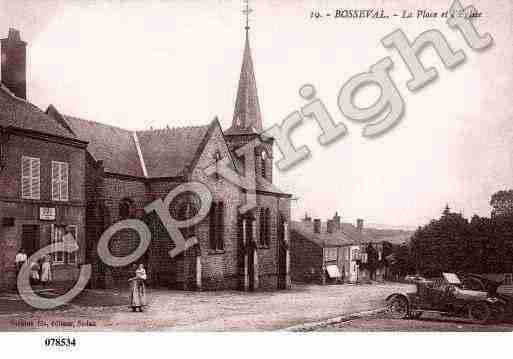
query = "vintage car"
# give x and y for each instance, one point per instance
(414, 278)
(447, 296)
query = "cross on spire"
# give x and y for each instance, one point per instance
(247, 10)
(247, 118)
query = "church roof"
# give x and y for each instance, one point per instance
(266, 186)
(19, 113)
(112, 145)
(165, 152)
(168, 152)
(247, 118)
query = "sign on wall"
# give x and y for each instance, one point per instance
(46, 214)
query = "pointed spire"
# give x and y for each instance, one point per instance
(246, 116)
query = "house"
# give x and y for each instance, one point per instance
(42, 175)
(114, 173)
(333, 251)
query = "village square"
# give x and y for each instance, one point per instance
(114, 229)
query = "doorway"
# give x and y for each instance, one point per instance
(282, 255)
(251, 254)
(30, 238)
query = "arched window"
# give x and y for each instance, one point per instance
(126, 207)
(217, 226)
(185, 206)
(263, 164)
(265, 227)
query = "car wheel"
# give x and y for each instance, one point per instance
(479, 312)
(397, 307)
(499, 313)
(415, 315)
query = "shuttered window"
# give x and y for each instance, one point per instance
(59, 181)
(217, 226)
(30, 178)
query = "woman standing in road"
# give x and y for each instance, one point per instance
(46, 271)
(137, 289)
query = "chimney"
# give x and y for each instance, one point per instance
(317, 225)
(336, 222)
(329, 226)
(359, 224)
(14, 64)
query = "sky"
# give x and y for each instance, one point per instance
(141, 64)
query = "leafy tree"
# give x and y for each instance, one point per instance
(453, 244)
(401, 261)
(373, 262)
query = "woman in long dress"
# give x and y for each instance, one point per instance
(137, 289)
(46, 271)
(34, 273)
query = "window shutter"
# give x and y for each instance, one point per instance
(35, 178)
(213, 225)
(25, 177)
(64, 182)
(55, 181)
(220, 225)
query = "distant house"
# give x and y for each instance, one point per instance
(332, 252)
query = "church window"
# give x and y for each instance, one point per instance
(265, 226)
(125, 208)
(263, 162)
(217, 226)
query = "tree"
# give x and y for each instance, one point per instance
(400, 261)
(372, 263)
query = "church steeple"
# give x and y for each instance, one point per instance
(246, 116)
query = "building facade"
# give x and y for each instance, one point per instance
(114, 174)
(333, 252)
(42, 175)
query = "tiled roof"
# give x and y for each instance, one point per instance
(353, 232)
(267, 186)
(323, 239)
(112, 145)
(19, 113)
(167, 152)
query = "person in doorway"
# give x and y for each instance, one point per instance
(34, 273)
(137, 289)
(46, 271)
(21, 258)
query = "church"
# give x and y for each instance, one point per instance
(62, 172)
